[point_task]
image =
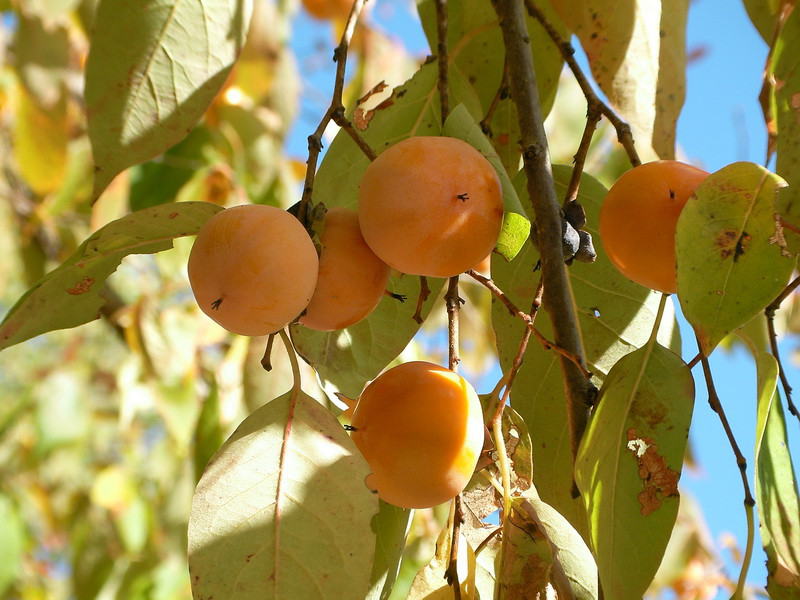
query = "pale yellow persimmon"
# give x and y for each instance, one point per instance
(431, 206)
(352, 280)
(253, 269)
(420, 428)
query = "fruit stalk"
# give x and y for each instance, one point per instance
(546, 208)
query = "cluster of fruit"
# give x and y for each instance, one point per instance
(429, 206)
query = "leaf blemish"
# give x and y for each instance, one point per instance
(657, 478)
(81, 287)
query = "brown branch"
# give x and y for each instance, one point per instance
(593, 116)
(716, 406)
(523, 347)
(773, 342)
(453, 302)
(441, 49)
(624, 135)
(335, 112)
(547, 210)
(502, 94)
(424, 292)
(573, 357)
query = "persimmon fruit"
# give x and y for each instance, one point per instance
(253, 269)
(328, 9)
(420, 428)
(638, 218)
(352, 280)
(431, 206)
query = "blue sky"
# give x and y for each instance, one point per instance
(721, 123)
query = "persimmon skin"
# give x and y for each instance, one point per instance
(352, 280)
(431, 206)
(420, 428)
(328, 9)
(638, 218)
(253, 269)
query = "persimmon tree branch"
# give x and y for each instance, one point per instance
(741, 462)
(624, 134)
(556, 298)
(334, 113)
(529, 319)
(773, 341)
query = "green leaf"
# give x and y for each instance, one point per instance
(12, 532)
(776, 487)
(629, 463)
(159, 181)
(637, 54)
(615, 316)
(513, 236)
(152, 70)
(70, 295)
(731, 258)
(786, 108)
(573, 565)
(282, 510)
(208, 435)
(390, 526)
(763, 14)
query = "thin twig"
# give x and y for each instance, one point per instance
(502, 94)
(266, 360)
(741, 462)
(624, 134)
(573, 357)
(335, 112)
(441, 50)
(773, 341)
(593, 116)
(424, 292)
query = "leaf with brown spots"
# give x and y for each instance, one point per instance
(731, 254)
(629, 463)
(45, 307)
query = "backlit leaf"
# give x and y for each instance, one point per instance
(776, 487)
(731, 257)
(282, 510)
(12, 533)
(573, 565)
(629, 463)
(615, 316)
(70, 295)
(40, 142)
(431, 583)
(637, 54)
(41, 59)
(390, 526)
(144, 95)
(786, 107)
